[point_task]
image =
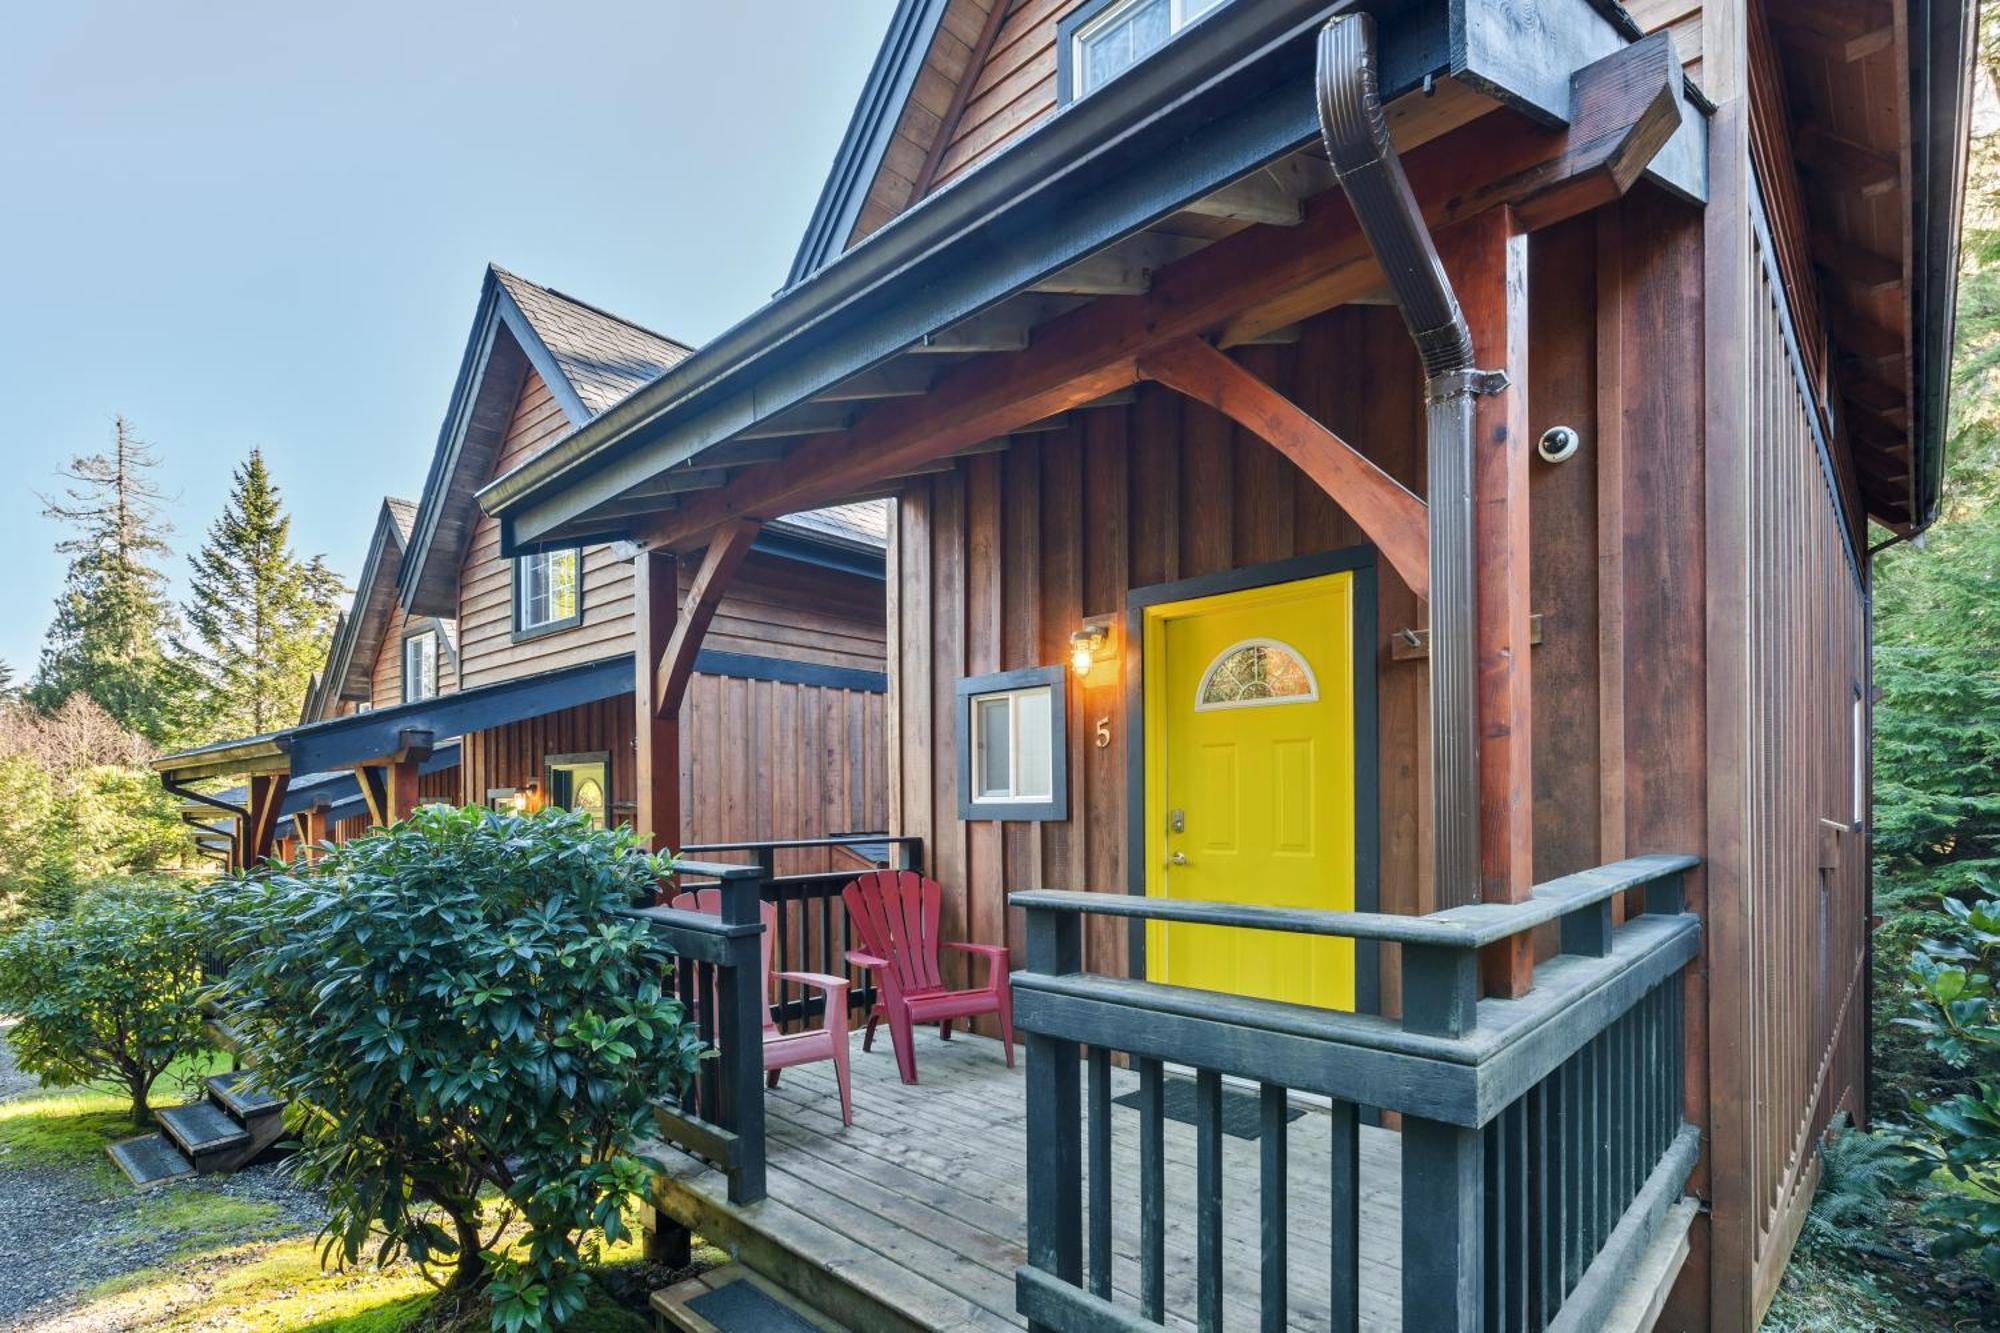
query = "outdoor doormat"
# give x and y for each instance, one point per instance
(1240, 1112)
(742, 1306)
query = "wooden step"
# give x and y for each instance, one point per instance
(240, 1095)
(150, 1159)
(732, 1299)
(203, 1130)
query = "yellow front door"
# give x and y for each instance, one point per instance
(1249, 714)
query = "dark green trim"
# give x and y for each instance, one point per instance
(1056, 808)
(1358, 560)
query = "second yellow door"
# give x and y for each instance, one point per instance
(1249, 714)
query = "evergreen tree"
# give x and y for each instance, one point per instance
(259, 618)
(112, 618)
(8, 689)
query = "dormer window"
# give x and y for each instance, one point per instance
(1098, 42)
(548, 591)
(420, 666)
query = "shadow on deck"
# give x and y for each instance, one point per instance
(914, 1216)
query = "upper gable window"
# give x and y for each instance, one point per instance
(420, 666)
(1098, 42)
(548, 591)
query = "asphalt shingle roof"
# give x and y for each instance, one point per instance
(603, 356)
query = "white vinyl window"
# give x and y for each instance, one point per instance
(1123, 35)
(1013, 743)
(420, 666)
(547, 589)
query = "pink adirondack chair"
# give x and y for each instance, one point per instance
(782, 1050)
(895, 912)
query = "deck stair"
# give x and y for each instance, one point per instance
(732, 1299)
(233, 1124)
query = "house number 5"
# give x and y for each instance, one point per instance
(1103, 732)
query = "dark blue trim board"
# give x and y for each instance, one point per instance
(748, 666)
(368, 737)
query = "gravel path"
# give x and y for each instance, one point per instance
(65, 1230)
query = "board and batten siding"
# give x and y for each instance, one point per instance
(999, 560)
(760, 760)
(775, 607)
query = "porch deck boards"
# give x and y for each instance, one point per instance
(918, 1208)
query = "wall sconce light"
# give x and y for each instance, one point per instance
(520, 799)
(1089, 646)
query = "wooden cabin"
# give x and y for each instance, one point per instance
(1378, 617)
(461, 675)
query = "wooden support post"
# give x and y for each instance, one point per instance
(1443, 1217)
(657, 820)
(312, 828)
(1487, 258)
(1055, 1110)
(402, 778)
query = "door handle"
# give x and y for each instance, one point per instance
(1177, 859)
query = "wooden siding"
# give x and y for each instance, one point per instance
(1807, 871)
(759, 760)
(775, 607)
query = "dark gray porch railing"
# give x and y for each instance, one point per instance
(719, 977)
(1542, 1137)
(813, 934)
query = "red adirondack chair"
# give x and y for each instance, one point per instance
(782, 1050)
(895, 912)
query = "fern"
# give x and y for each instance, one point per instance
(1857, 1180)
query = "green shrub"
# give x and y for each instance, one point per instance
(106, 994)
(462, 1011)
(1956, 1007)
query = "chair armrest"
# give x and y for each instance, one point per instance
(817, 980)
(996, 952)
(860, 959)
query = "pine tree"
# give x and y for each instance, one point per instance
(112, 618)
(259, 619)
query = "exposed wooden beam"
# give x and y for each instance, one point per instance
(1847, 165)
(1861, 271)
(1391, 517)
(805, 419)
(403, 776)
(1842, 30)
(1863, 390)
(1626, 106)
(895, 379)
(679, 481)
(1124, 269)
(1005, 329)
(1259, 197)
(719, 563)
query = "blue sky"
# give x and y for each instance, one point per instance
(264, 224)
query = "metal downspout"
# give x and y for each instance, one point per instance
(1356, 135)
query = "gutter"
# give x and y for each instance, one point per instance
(1356, 134)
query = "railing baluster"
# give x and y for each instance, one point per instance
(1208, 1199)
(1055, 1167)
(1344, 1226)
(1097, 1066)
(1574, 1129)
(1152, 1192)
(1273, 1107)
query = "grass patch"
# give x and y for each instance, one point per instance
(69, 1127)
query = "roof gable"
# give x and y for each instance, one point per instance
(358, 636)
(589, 359)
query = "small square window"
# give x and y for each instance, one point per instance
(1012, 746)
(548, 591)
(420, 666)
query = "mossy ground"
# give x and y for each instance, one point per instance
(234, 1262)
(66, 1127)
(1880, 1277)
